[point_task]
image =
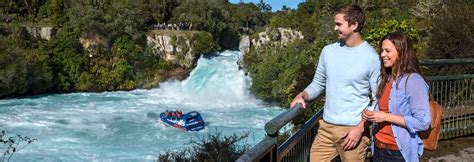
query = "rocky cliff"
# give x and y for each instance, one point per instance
(41, 32)
(181, 48)
(273, 37)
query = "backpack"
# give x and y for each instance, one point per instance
(431, 135)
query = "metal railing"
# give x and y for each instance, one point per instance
(295, 148)
(447, 61)
(454, 92)
(298, 146)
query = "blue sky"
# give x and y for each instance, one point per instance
(276, 4)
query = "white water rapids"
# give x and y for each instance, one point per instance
(123, 126)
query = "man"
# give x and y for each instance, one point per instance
(347, 71)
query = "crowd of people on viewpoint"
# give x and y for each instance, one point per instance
(400, 95)
(172, 26)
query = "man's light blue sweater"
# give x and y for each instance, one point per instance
(347, 74)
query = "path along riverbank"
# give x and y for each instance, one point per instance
(458, 149)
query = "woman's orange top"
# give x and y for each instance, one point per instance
(385, 133)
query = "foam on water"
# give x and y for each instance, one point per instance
(124, 126)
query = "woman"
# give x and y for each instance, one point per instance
(403, 102)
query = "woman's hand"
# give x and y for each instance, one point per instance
(378, 116)
(365, 114)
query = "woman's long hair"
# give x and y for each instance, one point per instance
(406, 63)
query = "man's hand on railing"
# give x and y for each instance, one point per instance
(300, 99)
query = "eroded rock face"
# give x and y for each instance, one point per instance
(180, 48)
(281, 36)
(244, 45)
(92, 43)
(41, 32)
(175, 49)
(288, 35)
(274, 37)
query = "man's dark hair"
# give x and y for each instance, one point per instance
(352, 14)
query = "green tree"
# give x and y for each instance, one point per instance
(23, 68)
(22, 9)
(124, 18)
(451, 37)
(264, 6)
(304, 19)
(246, 15)
(452, 33)
(374, 34)
(56, 12)
(212, 16)
(285, 8)
(279, 73)
(115, 75)
(66, 60)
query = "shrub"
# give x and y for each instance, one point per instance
(12, 144)
(279, 73)
(215, 147)
(451, 38)
(452, 33)
(407, 26)
(23, 68)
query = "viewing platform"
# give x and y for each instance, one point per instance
(453, 92)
